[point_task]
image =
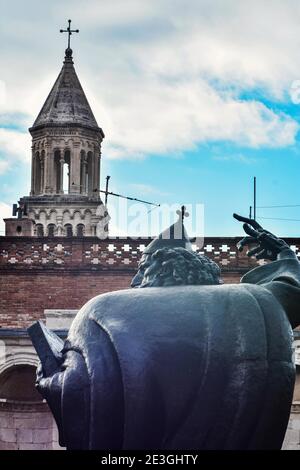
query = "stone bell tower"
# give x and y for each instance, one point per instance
(66, 153)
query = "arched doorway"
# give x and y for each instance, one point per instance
(25, 419)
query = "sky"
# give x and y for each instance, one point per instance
(195, 99)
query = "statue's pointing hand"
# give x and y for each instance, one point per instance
(268, 245)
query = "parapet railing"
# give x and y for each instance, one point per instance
(112, 253)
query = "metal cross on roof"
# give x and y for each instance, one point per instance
(69, 31)
(182, 213)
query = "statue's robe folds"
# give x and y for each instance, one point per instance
(187, 367)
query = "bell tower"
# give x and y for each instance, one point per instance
(66, 154)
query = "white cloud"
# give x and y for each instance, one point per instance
(165, 119)
(4, 165)
(14, 146)
(161, 75)
(239, 158)
(5, 212)
(148, 189)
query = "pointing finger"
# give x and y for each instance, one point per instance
(251, 222)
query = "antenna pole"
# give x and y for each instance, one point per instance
(254, 198)
(106, 192)
(106, 189)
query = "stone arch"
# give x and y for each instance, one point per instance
(77, 217)
(18, 394)
(17, 383)
(19, 358)
(67, 217)
(43, 217)
(52, 216)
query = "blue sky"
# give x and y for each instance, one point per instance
(195, 98)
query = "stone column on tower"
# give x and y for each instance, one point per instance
(43, 179)
(83, 173)
(75, 169)
(46, 186)
(94, 174)
(52, 170)
(61, 179)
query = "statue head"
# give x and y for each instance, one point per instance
(175, 266)
(169, 260)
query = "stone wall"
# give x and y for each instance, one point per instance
(27, 427)
(292, 436)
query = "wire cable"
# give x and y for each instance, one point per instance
(275, 207)
(278, 218)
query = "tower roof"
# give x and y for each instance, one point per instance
(66, 103)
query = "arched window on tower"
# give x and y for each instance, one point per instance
(39, 230)
(57, 164)
(66, 172)
(68, 230)
(51, 230)
(80, 230)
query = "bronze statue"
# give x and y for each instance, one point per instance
(182, 361)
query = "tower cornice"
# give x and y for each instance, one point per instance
(64, 127)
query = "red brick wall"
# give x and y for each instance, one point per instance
(61, 273)
(25, 296)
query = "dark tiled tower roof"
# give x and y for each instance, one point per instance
(66, 103)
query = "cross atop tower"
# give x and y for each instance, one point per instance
(69, 31)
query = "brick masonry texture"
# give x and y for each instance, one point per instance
(24, 296)
(64, 273)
